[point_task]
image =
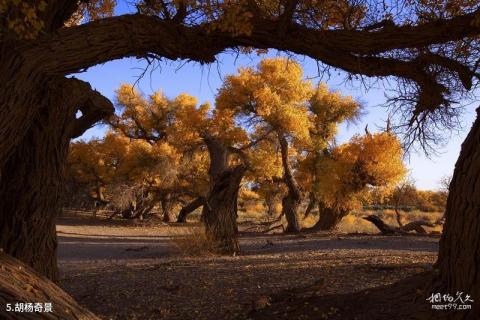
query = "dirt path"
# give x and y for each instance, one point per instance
(122, 271)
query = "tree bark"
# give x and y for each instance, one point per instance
(292, 200)
(290, 205)
(328, 219)
(31, 178)
(382, 226)
(166, 203)
(20, 283)
(220, 207)
(270, 203)
(459, 253)
(311, 204)
(189, 208)
(220, 210)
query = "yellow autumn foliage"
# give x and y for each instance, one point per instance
(274, 92)
(345, 175)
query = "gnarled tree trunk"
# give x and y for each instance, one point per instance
(189, 208)
(220, 210)
(328, 218)
(291, 201)
(220, 207)
(32, 175)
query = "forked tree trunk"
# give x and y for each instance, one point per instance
(292, 200)
(32, 176)
(189, 208)
(459, 254)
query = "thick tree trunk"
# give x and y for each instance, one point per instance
(30, 186)
(329, 218)
(220, 210)
(189, 208)
(290, 204)
(32, 176)
(459, 255)
(292, 200)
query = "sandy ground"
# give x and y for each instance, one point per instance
(123, 270)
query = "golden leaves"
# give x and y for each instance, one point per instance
(275, 92)
(348, 172)
(329, 108)
(234, 18)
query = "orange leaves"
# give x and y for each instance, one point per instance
(97, 160)
(373, 160)
(118, 160)
(274, 97)
(275, 92)
(265, 161)
(166, 137)
(92, 10)
(97, 9)
(381, 155)
(328, 109)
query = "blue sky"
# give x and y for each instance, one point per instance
(202, 81)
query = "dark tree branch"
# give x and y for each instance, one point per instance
(149, 34)
(94, 107)
(355, 51)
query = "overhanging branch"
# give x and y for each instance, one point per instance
(355, 51)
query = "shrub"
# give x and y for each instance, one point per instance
(193, 241)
